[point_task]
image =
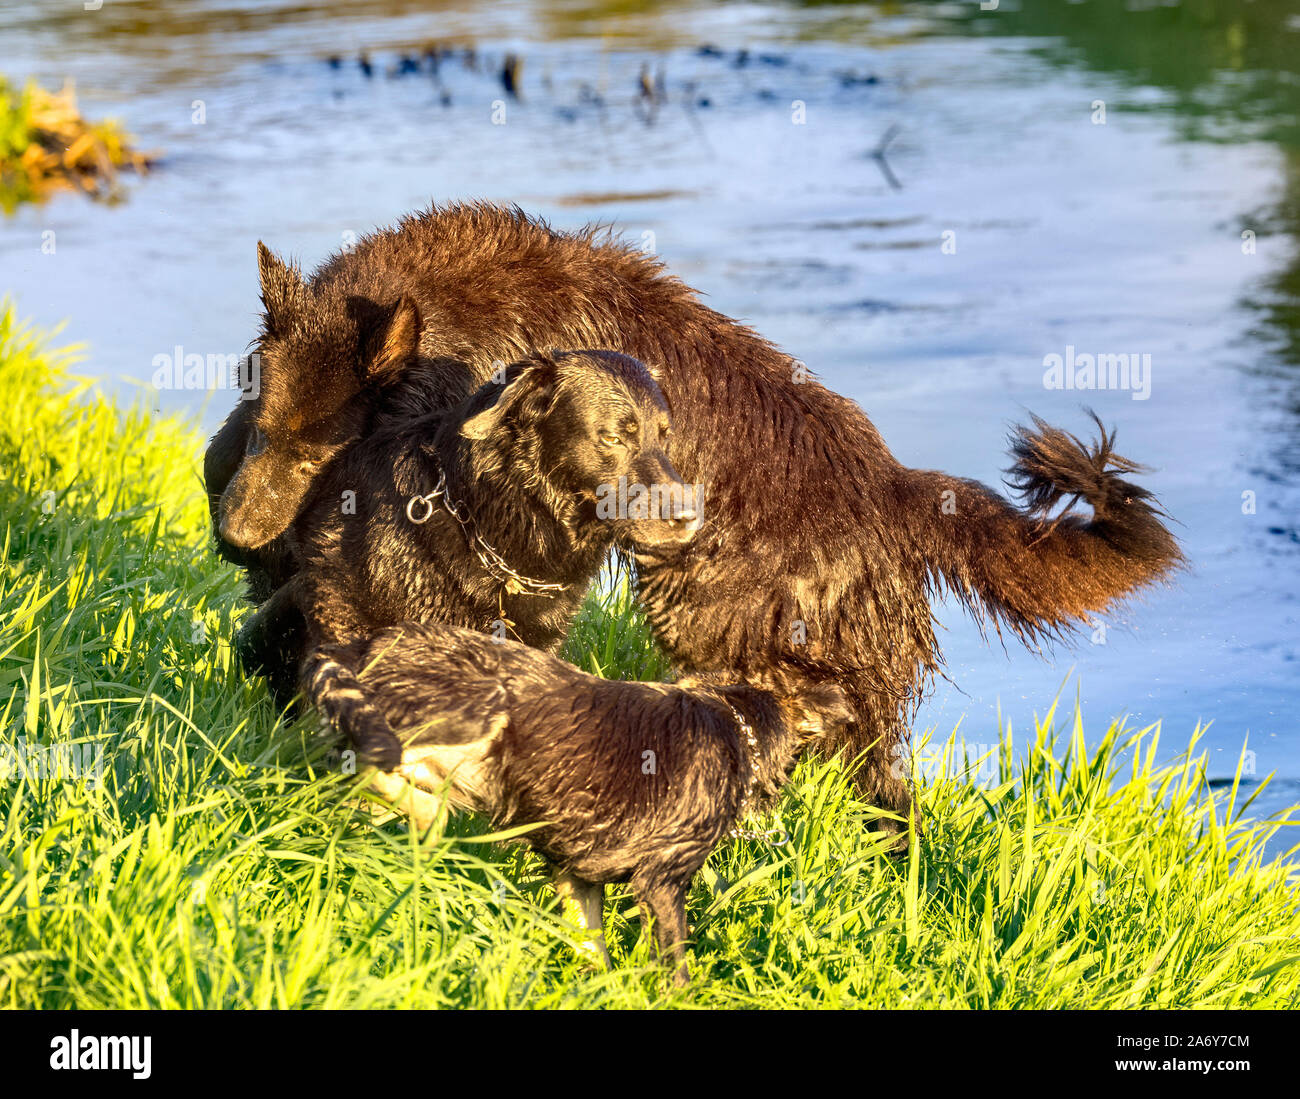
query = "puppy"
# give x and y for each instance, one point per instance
(628, 781)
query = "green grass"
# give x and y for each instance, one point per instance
(218, 861)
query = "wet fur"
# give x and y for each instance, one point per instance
(820, 552)
(634, 782)
(523, 471)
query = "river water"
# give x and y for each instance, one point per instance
(1071, 180)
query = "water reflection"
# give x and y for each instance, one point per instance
(1115, 237)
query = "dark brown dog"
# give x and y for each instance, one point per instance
(630, 782)
(493, 516)
(819, 551)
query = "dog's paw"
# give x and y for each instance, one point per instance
(377, 746)
(247, 647)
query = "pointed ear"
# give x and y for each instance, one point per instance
(394, 345)
(280, 282)
(485, 423)
(824, 708)
(525, 396)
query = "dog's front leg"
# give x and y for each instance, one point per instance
(423, 809)
(331, 684)
(271, 639)
(665, 904)
(583, 904)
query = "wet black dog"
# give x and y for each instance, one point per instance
(494, 516)
(324, 362)
(630, 781)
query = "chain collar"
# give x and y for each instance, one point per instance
(516, 583)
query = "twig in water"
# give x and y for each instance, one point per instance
(878, 155)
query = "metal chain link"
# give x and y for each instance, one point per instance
(516, 583)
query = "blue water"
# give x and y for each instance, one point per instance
(1004, 225)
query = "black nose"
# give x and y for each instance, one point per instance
(682, 508)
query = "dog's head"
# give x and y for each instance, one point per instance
(818, 710)
(808, 711)
(595, 427)
(318, 352)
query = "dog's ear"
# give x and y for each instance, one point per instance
(823, 708)
(280, 282)
(389, 343)
(524, 398)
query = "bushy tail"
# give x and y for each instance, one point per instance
(1037, 574)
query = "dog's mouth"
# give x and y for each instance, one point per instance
(658, 553)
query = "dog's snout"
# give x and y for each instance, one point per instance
(261, 500)
(678, 503)
(681, 505)
(230, 524)
(685, 512)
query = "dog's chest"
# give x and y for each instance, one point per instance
(435, 575)
(429, 573)
(465, 771)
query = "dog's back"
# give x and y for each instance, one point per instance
(618, 771)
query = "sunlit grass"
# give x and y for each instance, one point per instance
(219, 861)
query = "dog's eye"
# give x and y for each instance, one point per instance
(608, 439)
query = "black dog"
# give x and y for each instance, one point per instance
(494, 516)
(629, 781)
(324, 362)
